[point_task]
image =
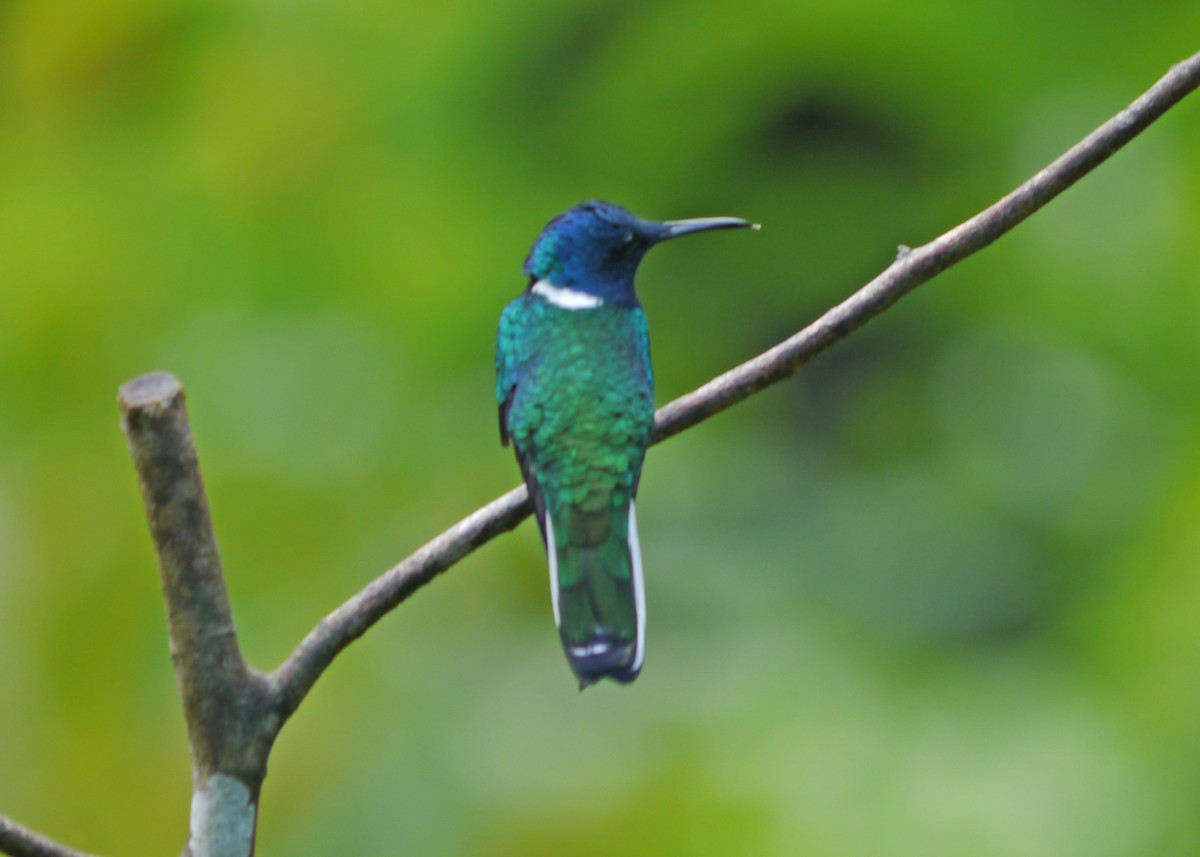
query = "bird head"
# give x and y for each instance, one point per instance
(596, 248)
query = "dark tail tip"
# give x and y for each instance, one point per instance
(602, 658)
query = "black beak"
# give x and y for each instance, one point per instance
(675, 228)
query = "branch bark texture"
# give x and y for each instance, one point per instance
(20, 841)
(229, 722)
(234, 713)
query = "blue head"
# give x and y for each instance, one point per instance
(596, 247)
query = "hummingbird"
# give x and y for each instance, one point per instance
(576, 394)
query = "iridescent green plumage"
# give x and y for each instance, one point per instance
(577, 401)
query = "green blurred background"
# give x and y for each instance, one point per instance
(938, 595)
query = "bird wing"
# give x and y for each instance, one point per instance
(512, 350)
(510, 339)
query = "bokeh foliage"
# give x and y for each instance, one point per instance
(939, 595)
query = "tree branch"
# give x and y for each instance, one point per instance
(19, 841)
(229, 726)
(911, 268)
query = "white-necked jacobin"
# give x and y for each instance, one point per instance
(576, 395)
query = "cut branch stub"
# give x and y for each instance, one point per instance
(231, 721)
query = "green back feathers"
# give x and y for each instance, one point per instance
(586, 370)
(576, 398)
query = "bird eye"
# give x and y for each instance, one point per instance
(628, 237)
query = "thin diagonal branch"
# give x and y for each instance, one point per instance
(917, 266)
(304, 666)
(22, 842)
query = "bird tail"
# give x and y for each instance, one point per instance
(598, 592)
